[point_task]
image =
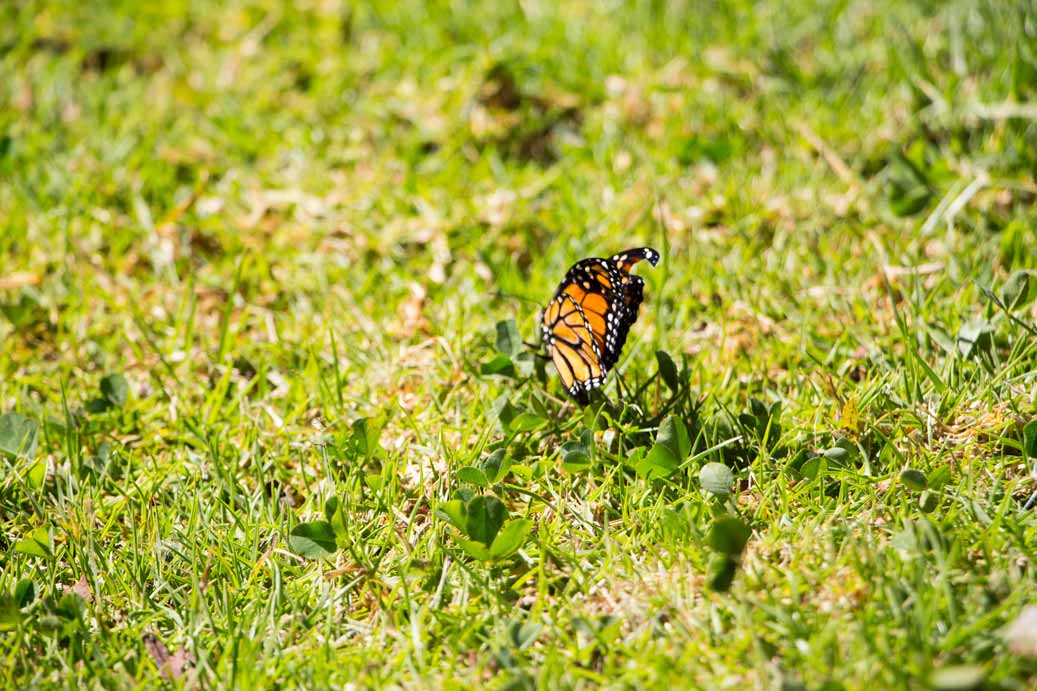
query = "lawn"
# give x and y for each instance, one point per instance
(268, 421)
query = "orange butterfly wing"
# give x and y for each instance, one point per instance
(586, 323)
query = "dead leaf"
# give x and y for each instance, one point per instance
(82, 589)
(179, 662)
(169, 666)
(156, 649)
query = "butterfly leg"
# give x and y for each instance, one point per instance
(621, 386)
(537, 350)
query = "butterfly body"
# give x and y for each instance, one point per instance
(587, 321)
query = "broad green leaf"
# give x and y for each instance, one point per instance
(37, 543)
(509, 341)
(97, 405)
(659, 462)
(18, 435)
(811, 467)
(115, 389)
(71, 607)
(510, 538)
(523, 472)
(1030, 439)
(500, 364)
(333, 512)
(975, 336)
(474, 548)
(762, 421)
(525, 363)
(465, 494)
(592, 415)
(10, 613)
(364, 438)
(526, 421)
(728, 535)
(486, 515)
(671, 447)
(504, 411)
(496, 466)
(454, 513)
(836, 455)
(722, 573)
(667, 370)
(674, 435)
(314, 540)
(928, 501)
(575, 456)
(914, 479)
(716, 478)
(338, 522)
(794, 464)
(1020, 289)
(331, 508)
(24, 592)
(537, 403)
(939, 477)
(473, 475)
(37, 473)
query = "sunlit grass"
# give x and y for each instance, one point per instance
(290, 232)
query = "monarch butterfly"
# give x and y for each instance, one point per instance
(586, 323)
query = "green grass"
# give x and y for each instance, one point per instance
(291, 230)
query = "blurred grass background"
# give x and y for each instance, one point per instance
(273, 219)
